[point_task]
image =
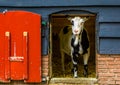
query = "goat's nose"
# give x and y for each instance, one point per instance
(75, 31)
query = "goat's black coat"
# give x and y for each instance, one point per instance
(76, 48)
(65, 30)
(84, 43)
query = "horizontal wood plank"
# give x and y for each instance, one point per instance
(109, 30)
(109, 46)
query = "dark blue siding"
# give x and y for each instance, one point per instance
(109, 45)
(45, 40)
(109, 38)
(109, 14)
(48, 3)
(109, 30)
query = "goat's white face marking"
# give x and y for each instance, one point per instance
(77, 24)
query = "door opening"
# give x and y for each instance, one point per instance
(59, 21)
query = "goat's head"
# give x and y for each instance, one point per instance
(77, 24)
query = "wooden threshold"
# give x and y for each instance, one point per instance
(84, 81)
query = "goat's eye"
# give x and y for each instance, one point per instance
(82, 23)
(72, 22)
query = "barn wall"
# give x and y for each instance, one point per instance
(107, 31)
(107, 26)
(45, 66)
(108, 69)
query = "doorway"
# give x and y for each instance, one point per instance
(59, 21)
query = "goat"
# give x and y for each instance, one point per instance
(74, 42)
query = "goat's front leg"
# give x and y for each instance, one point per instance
(75, 64)
(85, 58)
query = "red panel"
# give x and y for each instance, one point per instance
(2, 48)
(21, 52)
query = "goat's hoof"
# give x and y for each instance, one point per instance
(85, 74)
(75, 76)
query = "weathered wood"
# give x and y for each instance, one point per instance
(87, 81)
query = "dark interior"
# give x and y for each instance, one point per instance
(60, 21)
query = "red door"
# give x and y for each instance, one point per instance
(20, 46)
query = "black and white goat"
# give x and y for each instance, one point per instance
(74, 42)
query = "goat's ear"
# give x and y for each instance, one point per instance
(86, 18)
